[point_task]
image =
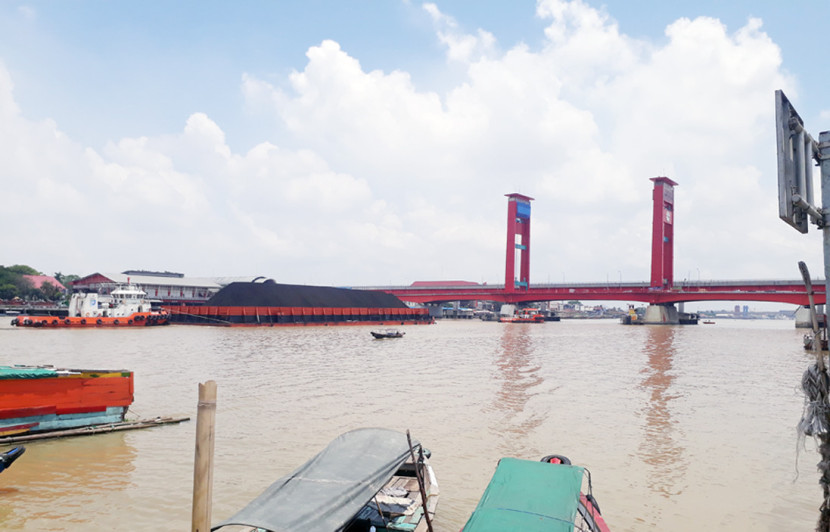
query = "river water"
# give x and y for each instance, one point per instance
(683, 428)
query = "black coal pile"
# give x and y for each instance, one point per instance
(271, 294)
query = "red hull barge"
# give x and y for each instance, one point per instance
(288, 316)
(38, 399)
(270, 304)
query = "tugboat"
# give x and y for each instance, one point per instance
(126, 306)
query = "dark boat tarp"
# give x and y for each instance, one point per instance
(528, 496)
(271, 294)
(324, 493)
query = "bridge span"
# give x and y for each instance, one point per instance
(791, 292)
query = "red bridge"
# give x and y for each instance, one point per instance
(661, 290)
(770, 291)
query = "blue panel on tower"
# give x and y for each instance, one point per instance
(523, 210)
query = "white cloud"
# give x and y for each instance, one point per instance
(385, 182)
(460, 46)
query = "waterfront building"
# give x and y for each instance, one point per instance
(167, 287)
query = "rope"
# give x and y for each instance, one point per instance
(816, 386)
(815, 422)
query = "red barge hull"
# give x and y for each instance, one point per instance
(296, 316)
(38, 399)
(271, 304)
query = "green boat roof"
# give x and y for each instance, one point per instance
(529, 496)
(26, 372)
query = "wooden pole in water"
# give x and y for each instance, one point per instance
(203, 463)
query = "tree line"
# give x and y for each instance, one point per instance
(14, 285)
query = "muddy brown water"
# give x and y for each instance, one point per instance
(683, 428)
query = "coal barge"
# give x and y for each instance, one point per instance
(269, 303)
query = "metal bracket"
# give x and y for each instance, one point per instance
(819, 216)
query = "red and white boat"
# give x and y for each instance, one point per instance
(525, 315)
(126, 306)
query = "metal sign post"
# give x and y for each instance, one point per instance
(824, 161)
(796, 152)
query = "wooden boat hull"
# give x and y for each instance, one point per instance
(39, 399)
(137, 319)
(381, 335)
(7, 458)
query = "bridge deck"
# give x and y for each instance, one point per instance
(780, 291)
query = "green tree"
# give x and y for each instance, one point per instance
(50, 292)
(66, 280)
(15, 285)
(22, 269)
(8, 291)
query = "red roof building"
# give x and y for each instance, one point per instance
(37, 281)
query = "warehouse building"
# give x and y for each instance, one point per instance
(167, 287)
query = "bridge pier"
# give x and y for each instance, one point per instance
(663, 314)
(803, 319)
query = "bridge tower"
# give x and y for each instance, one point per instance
(662, 233)
(518, 223)
(662, 250)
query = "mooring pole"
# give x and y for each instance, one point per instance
(824, 156)
(203, 463)
(824, 439)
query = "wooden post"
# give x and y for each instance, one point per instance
(203, 464)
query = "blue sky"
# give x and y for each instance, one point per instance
(373, 142)
(141, 68)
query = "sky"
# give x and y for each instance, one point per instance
(373, 143)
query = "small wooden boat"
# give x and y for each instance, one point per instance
(43, 398)
(537, 496)
(364, 478)
(388, 333)
(525, 315)
(7, 458)
(708, 322)
(126, 306)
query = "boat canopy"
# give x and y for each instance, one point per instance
(528, 496)
(328, 490)
(26, 372)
